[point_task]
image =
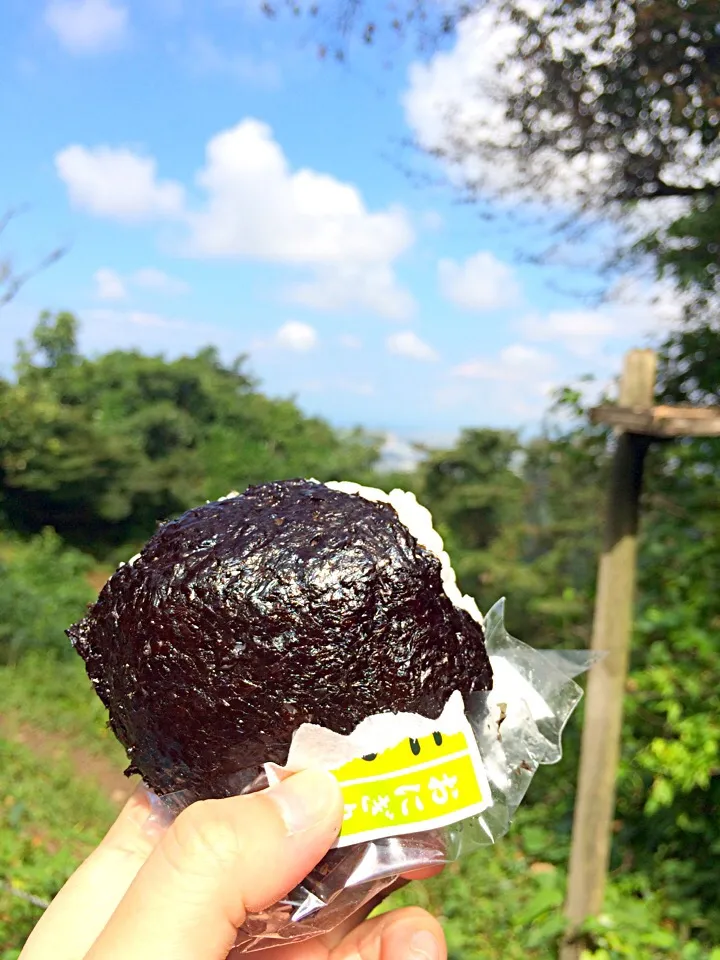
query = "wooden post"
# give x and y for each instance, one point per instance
(595, 801)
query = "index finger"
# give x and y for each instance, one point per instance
(219, 860)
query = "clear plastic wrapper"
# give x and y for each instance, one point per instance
(517, 726)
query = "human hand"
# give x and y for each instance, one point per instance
(182, 893)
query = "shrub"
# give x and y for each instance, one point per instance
(44, 587)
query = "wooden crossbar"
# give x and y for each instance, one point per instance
(663, 422)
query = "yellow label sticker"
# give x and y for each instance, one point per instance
(416, 785)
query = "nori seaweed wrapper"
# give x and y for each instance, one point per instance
(248, 616)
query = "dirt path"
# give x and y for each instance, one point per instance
(87, 765)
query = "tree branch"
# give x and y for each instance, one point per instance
(10, 282)
(668, 190)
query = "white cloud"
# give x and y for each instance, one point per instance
(514, 363)
(409, 344)
(560, 345)
(482, 282)
(104, 329)
(653, 304)
(335, 386)
(459, 90)
(87, 26)
(109, 285)
(516, 382)
(633, 311)
(296, 336)
(128, 319)
(579, 331)
(118, 184)
(361, 388)
(108, 328)
(142, 318)
(257, 208)
(367, 287)
(458, 99)
(350, 341)
(149, 278)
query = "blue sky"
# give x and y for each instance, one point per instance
(217, 182)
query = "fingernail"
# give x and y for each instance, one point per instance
(159, 815)
(423, 946)
(305, 799)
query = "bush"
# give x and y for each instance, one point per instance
(44, 587)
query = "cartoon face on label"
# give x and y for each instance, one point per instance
(418, 784)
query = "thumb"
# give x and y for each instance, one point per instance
(218, 861)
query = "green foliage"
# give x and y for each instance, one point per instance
(103, 448)
(498, 902)
(669, 787)
(521, 521)
(690, 367)
(105, 443)
(506, 902)
(43, 588)
(663, 900)
(689, 250)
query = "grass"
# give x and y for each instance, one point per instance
(57, 697)
(494, 903)
(49, 821)
(49, 817)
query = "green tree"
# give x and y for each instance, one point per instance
(102, 448)
(630, 82)
(688, 251)
(689, 369)
(542, 554)
(521, 520)
(594, 106)
(475, 492)
(668, 785)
